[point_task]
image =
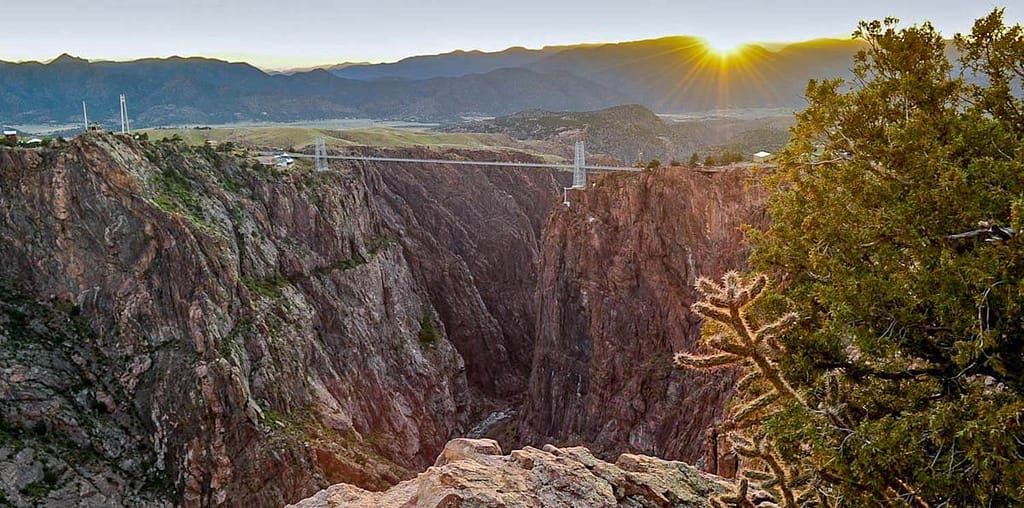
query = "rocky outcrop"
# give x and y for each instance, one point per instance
(64, 438)
(616, 283)
(480, 476)
(247, 336)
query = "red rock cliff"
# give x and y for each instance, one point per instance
(178, 325)
(245, 336)
(472, 236)
(615, 285)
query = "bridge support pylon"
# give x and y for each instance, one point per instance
(579, 171)
(320, 155)
(579, 167)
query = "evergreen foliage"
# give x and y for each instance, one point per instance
(724, 158)
(907, 360)
(429, 334)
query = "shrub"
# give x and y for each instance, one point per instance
(429, 333)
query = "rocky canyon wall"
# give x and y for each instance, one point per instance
(178, 326)
(182, 325)
(615, 286)
(472, 237)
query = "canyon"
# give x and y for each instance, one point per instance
(182, 326)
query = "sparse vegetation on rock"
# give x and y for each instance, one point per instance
(428, 334)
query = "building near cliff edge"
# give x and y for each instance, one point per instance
(280, 161)
(762, 156)
(11, 135)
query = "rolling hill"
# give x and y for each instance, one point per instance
(676, 74)
(669, 74)
(631, 132)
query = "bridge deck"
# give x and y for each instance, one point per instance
(462, 162)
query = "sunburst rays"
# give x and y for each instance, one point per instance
(718, 69)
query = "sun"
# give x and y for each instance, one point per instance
(723, 45)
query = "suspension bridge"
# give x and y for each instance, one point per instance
(579, 167)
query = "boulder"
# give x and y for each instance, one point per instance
(472, 473)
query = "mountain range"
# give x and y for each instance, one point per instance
(667, 75)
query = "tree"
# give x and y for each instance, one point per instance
(730, 157)
(909, 350)
(694, 159)
(996, 51)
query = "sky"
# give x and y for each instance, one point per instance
(278, 34)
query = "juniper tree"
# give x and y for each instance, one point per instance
(909, 351)
(903, 381)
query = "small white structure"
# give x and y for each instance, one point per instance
(283, 161)
(762, 156)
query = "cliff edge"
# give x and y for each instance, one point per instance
(475, 473)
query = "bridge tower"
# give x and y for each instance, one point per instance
(320, 155)
(579, 167)
(579, 172)
(126, 125)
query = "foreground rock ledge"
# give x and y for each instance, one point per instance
(474, 473)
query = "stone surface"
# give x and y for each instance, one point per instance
(472, 235)
(248, 336)
(63, 439)
(615, 286)
(178, 326)
(553, 477)
(459, 449)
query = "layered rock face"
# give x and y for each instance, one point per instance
(472, 237)
(209, 333)
(178, 325)
(616, 283)
(474, 473)
(64, 435)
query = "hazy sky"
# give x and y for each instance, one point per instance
(283, 33)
